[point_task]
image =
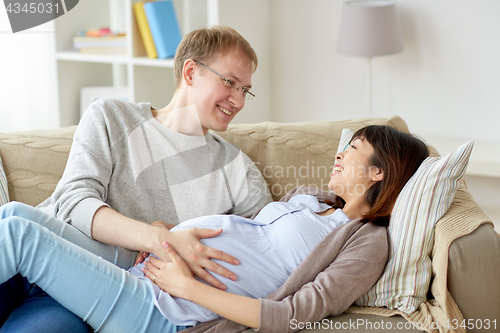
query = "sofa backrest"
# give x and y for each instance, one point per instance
(287, 154)
(297, 154)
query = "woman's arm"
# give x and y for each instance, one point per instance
(240, 309)
(175, 278)
(320, 287)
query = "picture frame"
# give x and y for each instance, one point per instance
(89, 95)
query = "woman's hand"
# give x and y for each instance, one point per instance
(173, 277)
(140, 257)
(198, 256)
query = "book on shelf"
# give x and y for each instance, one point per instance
(162, 21)
(92, 40)
(142, 23)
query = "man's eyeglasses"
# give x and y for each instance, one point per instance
(231, 84)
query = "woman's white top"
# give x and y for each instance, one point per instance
(269, 249)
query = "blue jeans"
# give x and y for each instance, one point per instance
(25, 308)
(102, 294)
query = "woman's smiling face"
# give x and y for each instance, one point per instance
(352, 173)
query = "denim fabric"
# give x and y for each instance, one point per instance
(25, 308)
(119, 256)
(105, 296)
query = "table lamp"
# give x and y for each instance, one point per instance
(369, 28)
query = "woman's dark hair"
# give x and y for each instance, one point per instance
(399, 155)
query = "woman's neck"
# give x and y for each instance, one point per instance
(355, 209)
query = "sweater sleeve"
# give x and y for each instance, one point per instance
(352, 273)
(82, 189)
(257, 194)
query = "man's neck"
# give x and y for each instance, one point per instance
(180, 117)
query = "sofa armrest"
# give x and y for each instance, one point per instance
(34, 162)
(473, 273)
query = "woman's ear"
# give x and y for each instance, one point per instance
(378, 175)
(188, 71)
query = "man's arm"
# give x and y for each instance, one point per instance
(81, 195)
(110, 227)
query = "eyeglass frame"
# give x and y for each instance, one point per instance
(247, 93)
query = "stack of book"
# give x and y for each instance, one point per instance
(100, 41)
(159, 28)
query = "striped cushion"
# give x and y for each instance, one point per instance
(345, 139)
(424, 199)
(4, 191)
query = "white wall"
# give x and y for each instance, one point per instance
(28, 94)
(28, 79)
(449, 69)
(486, 192)
(253, 21)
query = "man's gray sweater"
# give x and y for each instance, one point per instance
(124, 158)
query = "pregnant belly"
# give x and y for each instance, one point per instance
(260, 271)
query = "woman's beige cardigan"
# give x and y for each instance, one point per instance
(340, 269)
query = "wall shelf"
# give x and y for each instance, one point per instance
(105, 59)
(145, 61)
(133, 69)
(151, 80)
(114, 59)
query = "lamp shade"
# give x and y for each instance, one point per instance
(369, 28)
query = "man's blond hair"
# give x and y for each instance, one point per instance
(205, 44)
